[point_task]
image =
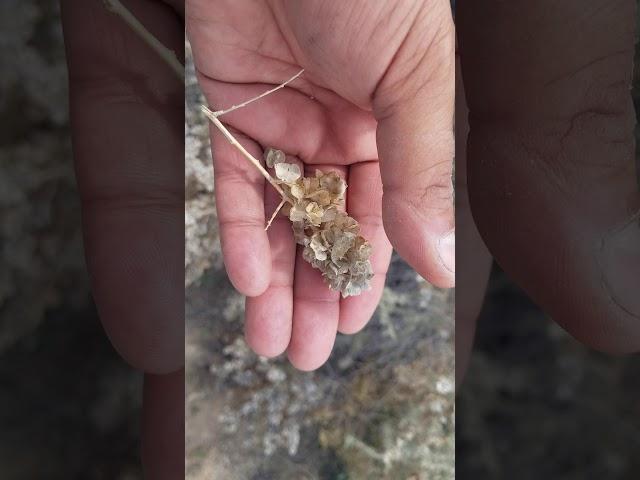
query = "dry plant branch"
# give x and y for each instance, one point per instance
(330, 237)
(213, 116)
(278, 208)
(232, 140)
(268, 92)
(116, 7)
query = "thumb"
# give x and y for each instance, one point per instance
(414, 106)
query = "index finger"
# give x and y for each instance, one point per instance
(239, 190)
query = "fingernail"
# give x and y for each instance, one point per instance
(447, 250)
(620, 262)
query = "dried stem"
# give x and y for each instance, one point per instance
(116, 7)
(213, 116)
(232, 140)
(268, 92)
(280, 205)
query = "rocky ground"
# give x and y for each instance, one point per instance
(382, 408)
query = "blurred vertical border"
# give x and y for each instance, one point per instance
(69, 407)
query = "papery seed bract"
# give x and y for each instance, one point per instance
(330, 237)
(272, 156)
(287, 172)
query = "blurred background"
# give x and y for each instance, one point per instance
(538, 404)
(381, 408)
(69, 406)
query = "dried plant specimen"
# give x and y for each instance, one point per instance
(331, 238)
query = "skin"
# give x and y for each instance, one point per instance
(126, 112)
(375, 104)
(550, 184)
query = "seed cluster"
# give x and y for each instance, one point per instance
(331, 238)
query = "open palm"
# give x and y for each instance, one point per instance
(370, 70)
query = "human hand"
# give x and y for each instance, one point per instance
(378, 84)
(126, 111)
(550, 167)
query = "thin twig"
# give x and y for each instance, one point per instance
(116, 7)
(369, 451)
(243, 151)
(244, 104)
(280, 205)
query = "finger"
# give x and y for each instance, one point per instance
(316, 308)
(239, 190)
(364, 203)
(268, 317)
(325, 129)
(474, 260)
(415, 141)
(163, 426)
(552, 180)
(315, 318)
(126, 112)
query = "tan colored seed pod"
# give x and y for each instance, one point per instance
(331, 238)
